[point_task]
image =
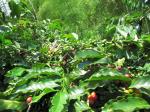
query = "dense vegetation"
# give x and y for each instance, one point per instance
(75, 55)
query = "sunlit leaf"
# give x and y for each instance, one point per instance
(141, 83)
(108, 74)
(58, 101)
(37, 98)
(75, 92)
(89, 53)
(81, 106)
(103, 61)
(37, 86)
(16, 72)
(35, 73)
(49, 71)
(11, 105)
(128, 104)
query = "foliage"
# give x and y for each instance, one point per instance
(59, 62)
(129, 104)
(14, 105)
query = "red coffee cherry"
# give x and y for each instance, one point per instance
(119, 68)
(92, 98)
(29, 99)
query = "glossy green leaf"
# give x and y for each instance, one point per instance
(76, 74)
(35, 73)
(110, 30)
(50, 71)
(147, 67)
(84, 64)
(82, 106)
(11, 105)
(16, 72)
(7, 42)
(146, 38)
(37, 86)
(122, 30)
(44, 92)
(75, 92)
(128, 104)
(141, 82)
(58, 101)
(108, 74)
(89, 53)
(103, 61)
(92, 85)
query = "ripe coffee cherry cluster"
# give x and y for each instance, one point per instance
(120, 68)
(92, 98)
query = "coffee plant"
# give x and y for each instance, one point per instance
(94, 63)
